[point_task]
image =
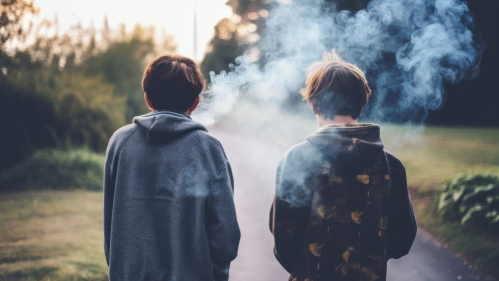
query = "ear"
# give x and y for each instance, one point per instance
(194, 105)
(148, 102)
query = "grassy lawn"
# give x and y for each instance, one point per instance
(51, 235)
(435, 154)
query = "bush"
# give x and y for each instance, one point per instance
(71, 89)
(56, 169)
(473, 199)
(45, 108)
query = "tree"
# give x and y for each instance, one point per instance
(11, 14)
(122, 64)
(231, 34)
(71, 90)
(47, 104)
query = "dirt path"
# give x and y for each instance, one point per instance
(254, 163)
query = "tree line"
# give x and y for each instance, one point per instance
(71, 89)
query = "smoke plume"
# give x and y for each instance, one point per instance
(409, 49)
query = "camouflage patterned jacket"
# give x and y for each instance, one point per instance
(342, 207)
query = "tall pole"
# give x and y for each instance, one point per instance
(195, 55)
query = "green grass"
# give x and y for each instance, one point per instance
(51, 235)
(437, 154)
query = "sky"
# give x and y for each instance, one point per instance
(176, 16)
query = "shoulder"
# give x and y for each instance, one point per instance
(123, 132)
(301, 155)
(208, 138)
(301, 150)
(212, 150)
(209, 142)
(397, 171)
(394, 162)
(121, 135)
(126, 129)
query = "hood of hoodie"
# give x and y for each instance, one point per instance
(161, 126)
(353, 145)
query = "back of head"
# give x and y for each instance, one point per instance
(172, 82)
(335, 87)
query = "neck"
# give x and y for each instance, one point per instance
(338, 119)
(188, 111)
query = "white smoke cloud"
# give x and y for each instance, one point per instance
(408, 49)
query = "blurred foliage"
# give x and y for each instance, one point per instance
(224, 51)
(12, 13)
(44, 107)
(231, 35)
(72, 89)
(241, 32)
(473, 199)
(56, 169)
(123, 61)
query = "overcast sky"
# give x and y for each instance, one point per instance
(174, 15)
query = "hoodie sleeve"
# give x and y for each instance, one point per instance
(110, 170)
(402, 226)
(109, 183)
(221, 223)
(288, 215)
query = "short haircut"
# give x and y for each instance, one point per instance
(172, 82)
(335, 87)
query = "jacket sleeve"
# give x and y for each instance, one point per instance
(289, 216)
(402, 226)
(221, 223)
(109, 184)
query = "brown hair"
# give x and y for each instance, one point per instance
(335, 87)
(172, 82)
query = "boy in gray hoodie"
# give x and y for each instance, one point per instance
(342, 206)
(168, 189)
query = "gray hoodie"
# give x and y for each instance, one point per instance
(168, 202)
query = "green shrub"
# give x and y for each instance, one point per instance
(56, 169)
(472, 199)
